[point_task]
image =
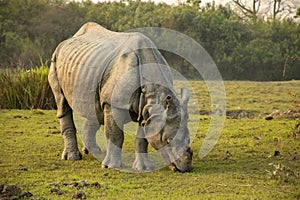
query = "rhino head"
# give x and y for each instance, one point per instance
(165, 127)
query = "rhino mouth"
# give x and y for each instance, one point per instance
(173, 168)
(184, 164)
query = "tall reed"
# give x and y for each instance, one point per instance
(26, 89)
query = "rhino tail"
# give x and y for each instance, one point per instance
(60, 99)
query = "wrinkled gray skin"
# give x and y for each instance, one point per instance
(83, 75)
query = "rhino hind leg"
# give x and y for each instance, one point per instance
(142, 161)
(68, 130)
(90, 129)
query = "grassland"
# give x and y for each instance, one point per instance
(253, 159)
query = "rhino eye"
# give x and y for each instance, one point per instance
(144, 122)
(169, 140)
(147, 122)
(168, 98)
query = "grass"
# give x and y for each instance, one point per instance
(242, 165)
(257, 98)
(26, 89)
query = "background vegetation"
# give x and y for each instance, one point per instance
(26, 89)
(243, 48)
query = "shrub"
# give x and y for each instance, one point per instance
(26, 89)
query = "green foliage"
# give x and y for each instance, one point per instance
(26, 89)
(298, 13)
(248, 50)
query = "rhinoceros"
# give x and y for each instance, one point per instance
(111, 78)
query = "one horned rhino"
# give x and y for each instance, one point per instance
(112, 78)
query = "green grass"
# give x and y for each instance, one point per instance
(257, 98)
(241, 166)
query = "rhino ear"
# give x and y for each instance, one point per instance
(154, 124)
(185, 95)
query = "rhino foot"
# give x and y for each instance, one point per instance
(112, 163)
(142, 162)
(91, 150)
(71, 155)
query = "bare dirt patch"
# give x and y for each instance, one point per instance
(289, 114)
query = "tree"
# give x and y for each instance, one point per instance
(277, 8)
(242, 49)
(248, 11)
(281, 8)
(274, 9)
(16, 46)
(194, 3)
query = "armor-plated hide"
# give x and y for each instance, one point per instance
(111, 78)
(90, 58)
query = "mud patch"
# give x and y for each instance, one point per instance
(233, 114)
(60, 188)
(76, 184)
(13, 192)
(289, 114)
(79, 195)
(238, 114)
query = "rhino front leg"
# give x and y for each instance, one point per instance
(142, 161)
(114, 137)
(68, 130)
(90, 129)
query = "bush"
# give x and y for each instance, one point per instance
(26, 89)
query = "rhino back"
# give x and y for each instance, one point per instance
(80, 62)
(96, 56)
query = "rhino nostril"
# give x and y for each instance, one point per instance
(173, 168)
(190, 151)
